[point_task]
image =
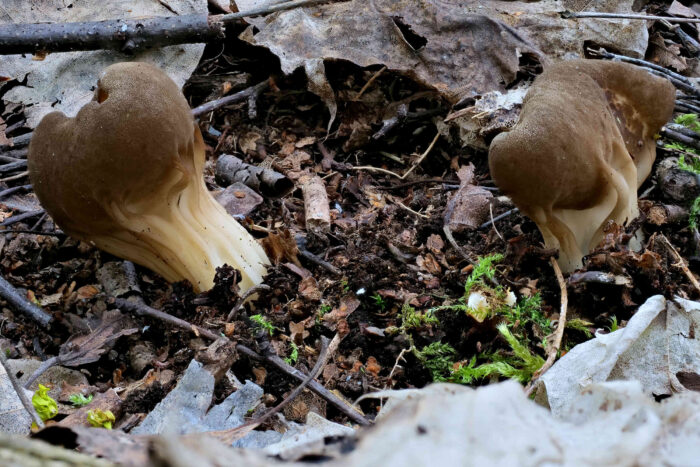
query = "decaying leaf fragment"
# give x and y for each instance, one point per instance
(469, 207)
(460, 48)
(436, 43)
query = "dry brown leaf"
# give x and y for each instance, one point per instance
(461, 49)
(469, 207)
(666, 54)
(88, 348)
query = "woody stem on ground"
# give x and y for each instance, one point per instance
(142, 309)
(125, 35)
(20, 390)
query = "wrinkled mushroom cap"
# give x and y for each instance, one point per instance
(126, 175)
(124, 148)
(582, 146)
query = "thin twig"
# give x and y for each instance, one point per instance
(498, 218)
(9, 167)
(22, 305)
(401, 177)
(16, 142)
(229, 436)
(20, 217)
(493, 223)
(241, 301)
(422, 157)
(369, 83)
(559, 333)
(595, 14)
(268, 9)
(371, 168)
(678, 136)
(312, 258)
(142, 309)
(126, 35)
(43, 368)
(14, 189)
(399, 359)
(687, 107)
(678, 80)
(411, 210)
(20, 390)
(680, 263)
(424, 181)
(14, 177)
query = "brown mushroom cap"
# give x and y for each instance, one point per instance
(582, 146)
(119, 149)
(126, 174)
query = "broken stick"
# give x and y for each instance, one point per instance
(126, 35)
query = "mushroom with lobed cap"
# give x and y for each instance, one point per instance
(583, 145)
(126, 175)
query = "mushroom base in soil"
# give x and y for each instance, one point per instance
(584, 143)
(126, 175)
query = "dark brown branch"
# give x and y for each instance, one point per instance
(687, 107)
(21, 304)
(498, 218)
(17, 165)
(312, 258)
(20, 217)
(142, 309)
(680, 137)
(14, 189)
(16, 142)
(126, 35)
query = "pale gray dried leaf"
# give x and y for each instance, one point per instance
(66, 81)
(658, 343)
(13, 416)
(614, 424)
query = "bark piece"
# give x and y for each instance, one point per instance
(271, 184)
(316, 209)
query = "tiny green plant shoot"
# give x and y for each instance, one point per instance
(325, 308)
(519, 364)
(692, 164)
(614, 326)
(379, 301)
(45, 405)
(261, 322)
(293, 355)
(101, 418)
(497, 301)
(79, 400)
